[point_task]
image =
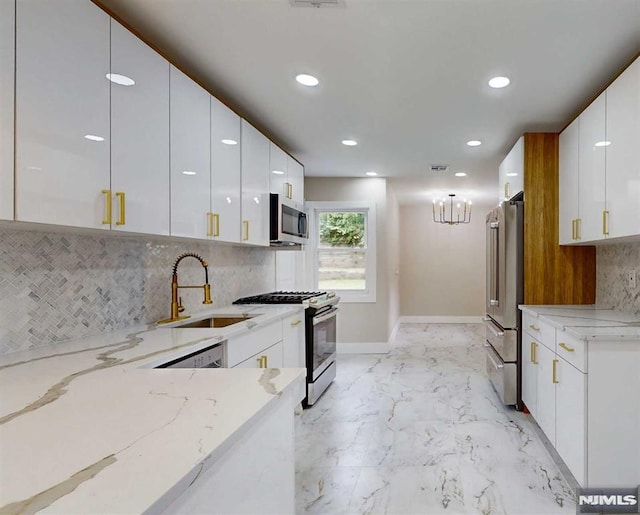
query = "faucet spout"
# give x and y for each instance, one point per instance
(176, 305)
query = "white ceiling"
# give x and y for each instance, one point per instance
(407, 79)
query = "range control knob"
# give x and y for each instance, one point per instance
(331, 295)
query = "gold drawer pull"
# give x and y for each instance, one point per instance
(534, 327)
(216, 224)
(297, 322)
(534, 358)
(605, 223)
(107, 201)
(555, 373)
(578, 228)
(262, 362)
(566, 347)
(209, 224)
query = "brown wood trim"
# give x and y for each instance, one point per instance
(553, 274)
(620, 72)
(222, 98)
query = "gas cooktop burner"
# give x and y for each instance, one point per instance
(280, 297)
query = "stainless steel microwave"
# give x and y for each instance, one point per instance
(288, 222)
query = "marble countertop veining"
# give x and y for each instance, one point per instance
(588, 322)
(89, 426)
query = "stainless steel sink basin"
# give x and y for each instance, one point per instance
(217, 321)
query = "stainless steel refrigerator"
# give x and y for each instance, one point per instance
(505, 290)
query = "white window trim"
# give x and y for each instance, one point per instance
(315, 207)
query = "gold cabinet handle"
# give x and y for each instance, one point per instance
(209, 224)
(262, 362)
(605, 223)
(534, 358)
(573, 229)
(566, 347)
(245, 224)
(507, 188)
(289, 190)
(107, 203)
(534, 327)
(121, 197)
(555, 374)
(216, 224)
(297, 322)
(531, 352)
(578, 228)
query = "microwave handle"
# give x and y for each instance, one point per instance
(302, 224)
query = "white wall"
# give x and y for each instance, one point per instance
(392, 245)
(366, 322)
(442, 267)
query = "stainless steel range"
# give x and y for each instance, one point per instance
(320, 334)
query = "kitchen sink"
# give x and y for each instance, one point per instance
(217, 321)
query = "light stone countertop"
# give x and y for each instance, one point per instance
(588, 322)
(88, 427)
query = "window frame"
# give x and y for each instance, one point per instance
(369, 210)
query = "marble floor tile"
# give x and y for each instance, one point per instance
(420, 430)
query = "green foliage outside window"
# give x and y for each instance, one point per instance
(342, 229)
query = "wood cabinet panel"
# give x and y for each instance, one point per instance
(553, 274)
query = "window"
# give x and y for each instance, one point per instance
(344, 249)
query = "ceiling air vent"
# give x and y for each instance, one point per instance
(439, 168)
(317, 3)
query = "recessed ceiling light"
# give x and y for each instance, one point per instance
(307, 80)
(512, 174)
(371, 174)
(474, 143)
(349, 142)
(499, 82)
(277, 172)
(92, 137)
(603, 144)
(188, 172)
(229, 141)
(461, 174)
(122, 80)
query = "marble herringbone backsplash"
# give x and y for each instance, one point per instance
(61, 286)
(612, 262)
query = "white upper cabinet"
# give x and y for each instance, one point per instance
(278, 180)
(511, 172)
(286, 175)
(623, 154)
(569, 215)
(225, 173)
(255, 186)
(190, 158)
(592, 172)
(139, 135)
(7, 71)
(295, 173)
(62, 112)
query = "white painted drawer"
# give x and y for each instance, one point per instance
(252, 342)
(544, 333)
(572, 350)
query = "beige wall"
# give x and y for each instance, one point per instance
(365, 322)
(442, 267)
(392, 246)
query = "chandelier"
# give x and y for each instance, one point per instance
(452, 215)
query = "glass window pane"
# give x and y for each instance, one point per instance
(341, 270)
(341, 229)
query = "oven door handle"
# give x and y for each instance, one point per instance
(324, 318)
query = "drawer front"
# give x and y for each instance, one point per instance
(253, 342)
(542, 332)
(504, 341)
(503, 376)
(572, 350)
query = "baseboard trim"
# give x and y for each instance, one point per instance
(437, 319)
(363, 348)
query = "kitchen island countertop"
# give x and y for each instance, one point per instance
(88, 426)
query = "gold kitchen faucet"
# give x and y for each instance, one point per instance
(176, 302)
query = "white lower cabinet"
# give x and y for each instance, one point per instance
(584, 396)
(247, 349)
(256, 475)
(571, 417)
(294, 340)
